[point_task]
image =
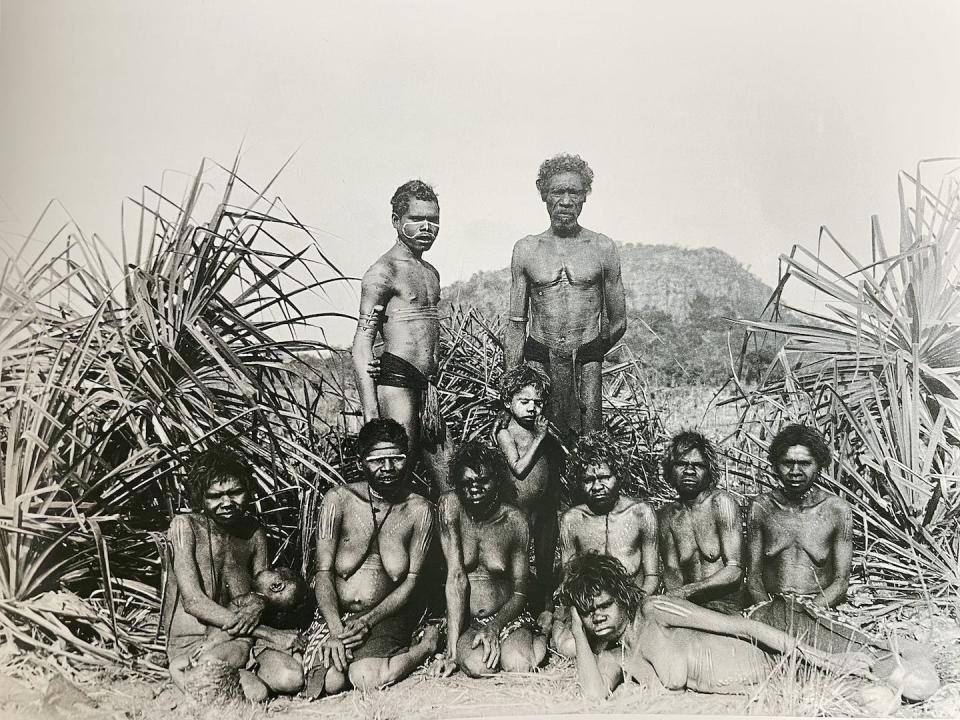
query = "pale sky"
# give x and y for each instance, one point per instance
(742, 125)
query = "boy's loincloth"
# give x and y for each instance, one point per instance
(389, 637)
(397, 372)
(564, 369)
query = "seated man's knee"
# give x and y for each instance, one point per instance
(368, 674)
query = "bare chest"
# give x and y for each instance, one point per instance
(414, 285)
(486, 546)
(385, 533)
(696, 533)
(789, 532)
(573, 262)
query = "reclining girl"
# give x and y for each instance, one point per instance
(673, 642)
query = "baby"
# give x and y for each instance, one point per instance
(280, 591)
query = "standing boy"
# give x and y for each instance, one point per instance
(533, 461)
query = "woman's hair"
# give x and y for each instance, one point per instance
(590, 574)
(797, 434)
(593, 448)
(684, 442)
(215, 464)
(474, 454)
(381, 430)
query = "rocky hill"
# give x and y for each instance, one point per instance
(679, 301)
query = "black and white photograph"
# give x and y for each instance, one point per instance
(659, 416)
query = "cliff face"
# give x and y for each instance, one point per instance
(678, 300)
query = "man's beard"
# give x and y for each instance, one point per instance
(566, 226)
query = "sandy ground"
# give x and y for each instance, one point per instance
(99, 695)
(45, 689)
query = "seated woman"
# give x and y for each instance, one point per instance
(685, 646)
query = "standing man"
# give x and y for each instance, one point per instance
(371, 542)
(398, 299)
(700, 533)
(569, 279)
(485, 544)
(799, 536)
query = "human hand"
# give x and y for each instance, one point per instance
(444, 667)
(335, 653)
(355, 631)
(373, 369)
(576, 624)
(545, 622)
(246, 617)
(541, 426)
(489, 638)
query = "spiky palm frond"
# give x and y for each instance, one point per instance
(879, 372)
(114, 370)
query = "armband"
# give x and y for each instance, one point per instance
(728, 563)
(515, 318)
(324, 569)
(521, 594)
(369, 321)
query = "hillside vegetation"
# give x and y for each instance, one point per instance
(680, 306)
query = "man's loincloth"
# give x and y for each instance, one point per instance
(564, 369)
(397, 372)
(389, 637)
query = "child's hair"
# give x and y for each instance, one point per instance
(214, 464)
(519, 377)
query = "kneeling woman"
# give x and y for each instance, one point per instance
(618, 634)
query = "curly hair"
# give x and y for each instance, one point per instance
(564, 162)
(214, 464)
(593, 448)
(381, 430)
(682, 443)
(797, 434)
(411, 190)
(517, 378)
(590, 574)
(474, 454)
